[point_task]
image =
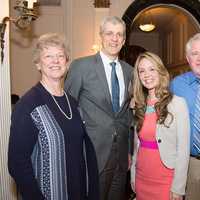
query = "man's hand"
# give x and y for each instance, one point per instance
(133, 186)
(174, 196)
(129, 161)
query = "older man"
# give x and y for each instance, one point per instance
(100, 84)
(187, 85)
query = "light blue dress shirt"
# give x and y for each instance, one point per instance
(186, 86)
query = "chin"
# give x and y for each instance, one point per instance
(114, 54)
(150, 87)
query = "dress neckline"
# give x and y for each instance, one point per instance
(151, 102)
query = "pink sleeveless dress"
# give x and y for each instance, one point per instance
(153, 178)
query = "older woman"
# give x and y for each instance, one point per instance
(48, 147)
(161, 156)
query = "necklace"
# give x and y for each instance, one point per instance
(70, 109)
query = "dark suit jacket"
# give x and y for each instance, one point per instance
(86, 82)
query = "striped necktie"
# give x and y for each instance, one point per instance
(196, 122)
(114, 88)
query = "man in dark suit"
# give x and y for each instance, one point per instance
(100, 83)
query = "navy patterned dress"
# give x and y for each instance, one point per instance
(51, 157)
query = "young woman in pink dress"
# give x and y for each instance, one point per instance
(161, 153)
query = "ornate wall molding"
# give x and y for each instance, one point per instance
(101, 3)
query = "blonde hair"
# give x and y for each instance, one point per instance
(162, 91)
(49, 40)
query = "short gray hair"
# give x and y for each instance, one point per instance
(49, 40)
(113, 20)
(188, 46)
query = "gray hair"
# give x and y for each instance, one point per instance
(188, 46)
(113, 20)
(49, 40)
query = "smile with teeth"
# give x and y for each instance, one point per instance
(55, 67)
(113, 45)
(149, 80)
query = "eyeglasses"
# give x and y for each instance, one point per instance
(194, 53)
(111, 34)
(60, 57)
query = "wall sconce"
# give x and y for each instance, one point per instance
(27, 13)
(96, 48)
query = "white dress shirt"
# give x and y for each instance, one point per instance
(119, 72)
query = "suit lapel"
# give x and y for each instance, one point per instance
(126, 84)
(103, 81)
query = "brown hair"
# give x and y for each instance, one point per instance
(162, 91)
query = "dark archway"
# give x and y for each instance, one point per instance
(190, 6)
(135, 51)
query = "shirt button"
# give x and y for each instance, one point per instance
(159, 140)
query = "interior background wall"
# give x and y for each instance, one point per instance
(74, 18)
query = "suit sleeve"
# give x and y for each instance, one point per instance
(73, 82)
(131, 133)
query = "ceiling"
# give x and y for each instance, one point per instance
(161, 16)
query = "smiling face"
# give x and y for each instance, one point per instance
(112, 38)
(52, 63)
(193, 57)
(148, 75)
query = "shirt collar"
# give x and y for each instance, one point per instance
(193, 78)
(106, 59)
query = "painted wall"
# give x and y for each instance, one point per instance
(79, 21)
(76, 19)
(23, 72)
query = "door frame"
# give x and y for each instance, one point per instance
(192, 7)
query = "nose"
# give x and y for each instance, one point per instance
(146, 74)
(198, 57)
(114, 37)
(56, 59)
